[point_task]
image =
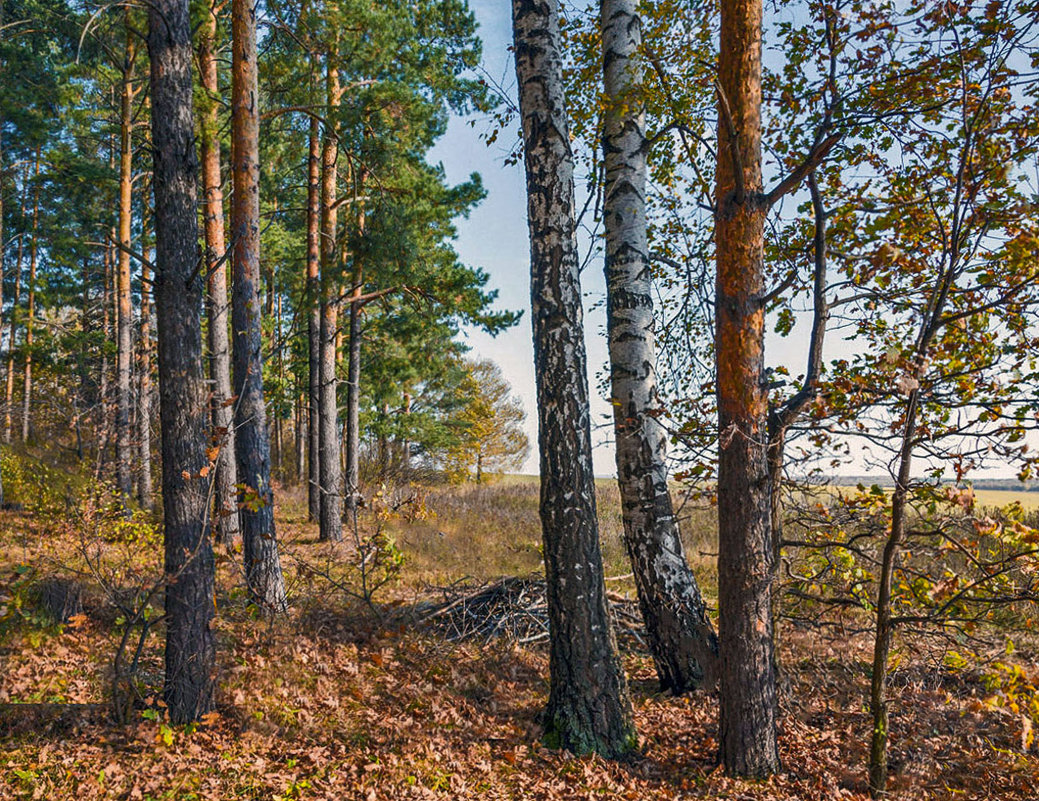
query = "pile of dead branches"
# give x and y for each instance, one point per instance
(514, 608)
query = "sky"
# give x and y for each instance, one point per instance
(495, 238)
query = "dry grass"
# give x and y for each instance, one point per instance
(490, 530)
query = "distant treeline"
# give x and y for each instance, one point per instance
(1009, 484)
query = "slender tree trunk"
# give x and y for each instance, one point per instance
(13, 325)
(222, 412)
(331, 528)
(353, 411)
(81, 397)
(313, 289)
(681, 637)
(878, 766)
(124, 304)
(3, 175)
(882, 643)
(301, 434)
(104, 422)
(190, 651)
(252, 446)
(747, 720)
(352, 454)
(405, 451)
(279, 422)
(144, 390)
(588, 705)
(30, 314)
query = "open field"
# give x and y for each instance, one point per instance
(340, 701)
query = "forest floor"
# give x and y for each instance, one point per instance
(344, 700)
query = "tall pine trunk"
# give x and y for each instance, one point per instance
(222, 414)
(124, 303)
(190, 650)
(588, 706)
(681, 638)
(747, 720)
(252, 445)
(313, 303)
(331, 519)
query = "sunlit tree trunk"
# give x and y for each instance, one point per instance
(331, 520)
(747, 720)
(252, 446)
(124, 452)
(190, 651)
(681, 638)
(588, 706)
(313, 289)
(225, 494)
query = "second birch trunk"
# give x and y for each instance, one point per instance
(681, 638)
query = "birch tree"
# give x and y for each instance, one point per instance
(588, 706)
(681, 637)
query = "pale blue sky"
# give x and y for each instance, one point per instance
(495, 238)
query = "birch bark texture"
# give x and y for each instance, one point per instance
(225, 493)
(588, 706)
(190, 652)
(681, 637)
(747, 718)
(252, 446)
